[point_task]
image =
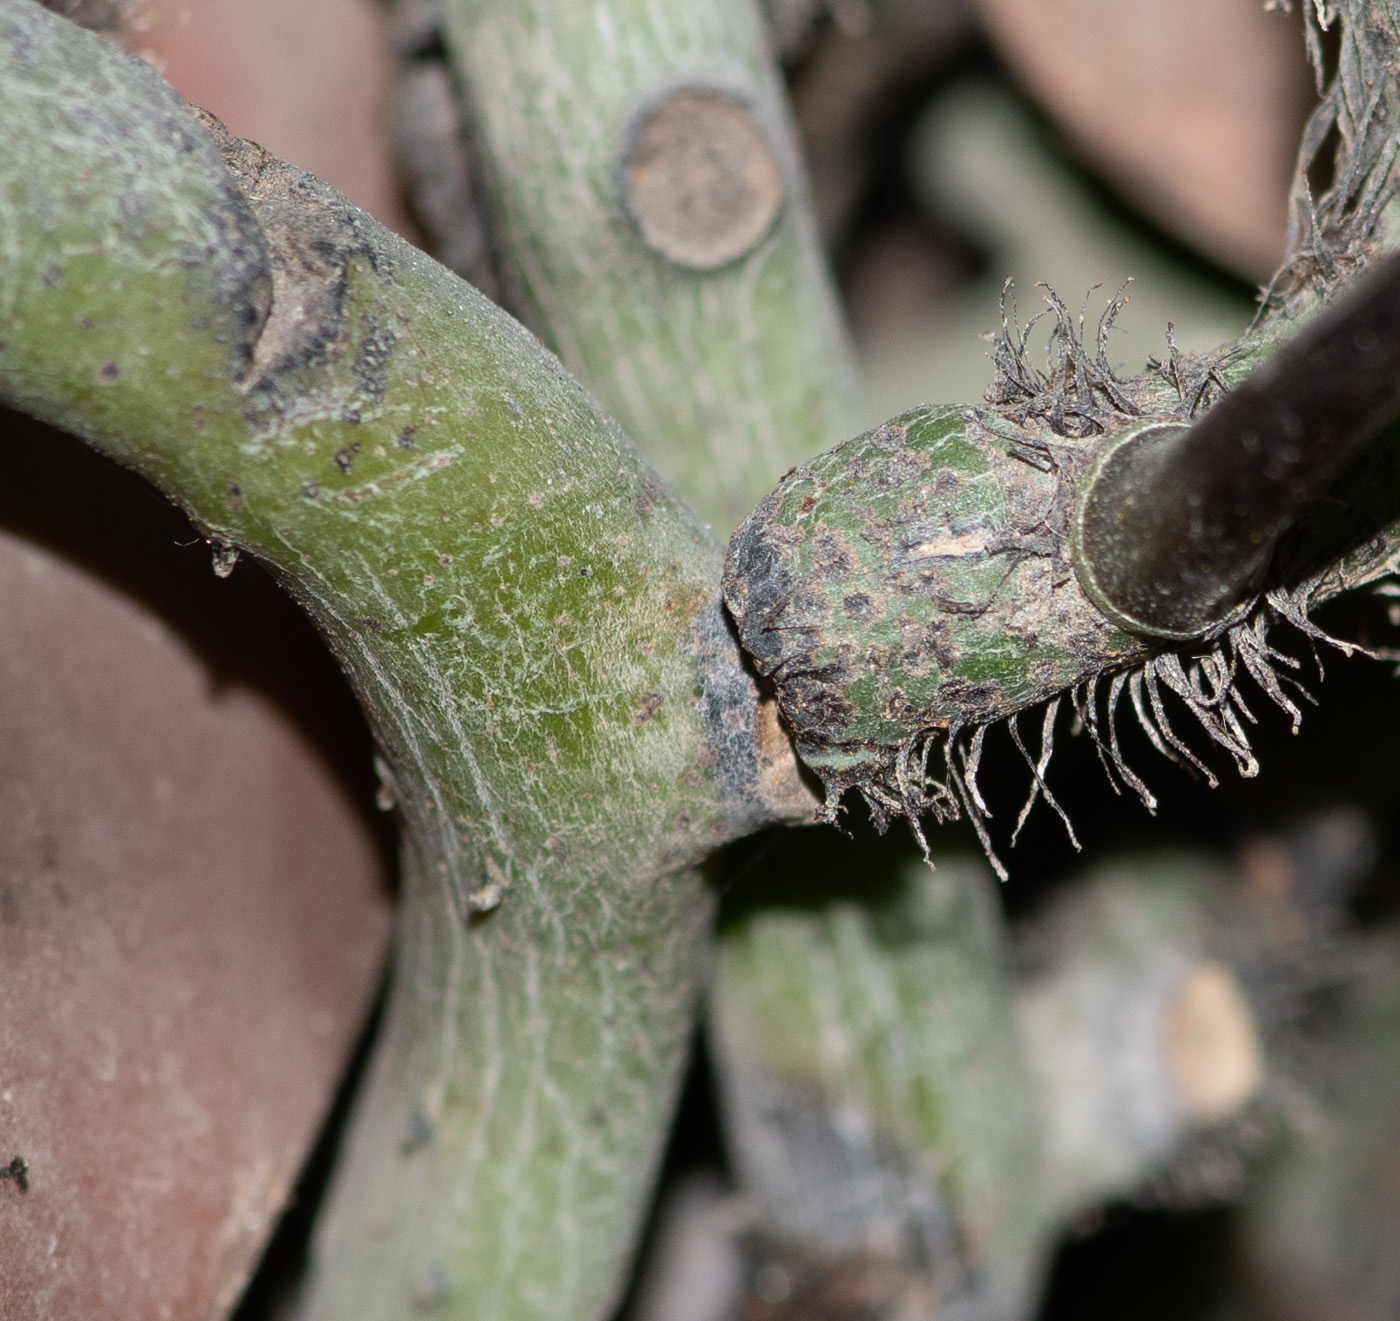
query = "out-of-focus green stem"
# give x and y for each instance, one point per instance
(725, 374)
(876, 1089)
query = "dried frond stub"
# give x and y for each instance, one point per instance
(917, 581)
(928, 579)
(911, 582)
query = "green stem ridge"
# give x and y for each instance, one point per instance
(527, 613)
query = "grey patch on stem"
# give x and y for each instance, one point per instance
(828, 1181)
(420, 1130)
(224, 556)
(312, 234)
(235, 258)
(749, 754)
(431, 1288)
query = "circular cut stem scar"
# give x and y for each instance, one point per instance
(1176, 525)
(699, 179)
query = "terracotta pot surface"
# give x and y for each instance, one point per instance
(1192, 108)
(307, 80)
(193, 908)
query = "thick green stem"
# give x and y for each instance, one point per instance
(654, 227)
(718, 371)
(527, 613)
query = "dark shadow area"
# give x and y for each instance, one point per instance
(856, 97)
(1148, 1265)
(695, 1145)
(820, 864)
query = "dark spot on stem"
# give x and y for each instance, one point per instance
(421, 1131)
(18, 1170)
(859, 607)
(371, 370)
(432, 1288)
